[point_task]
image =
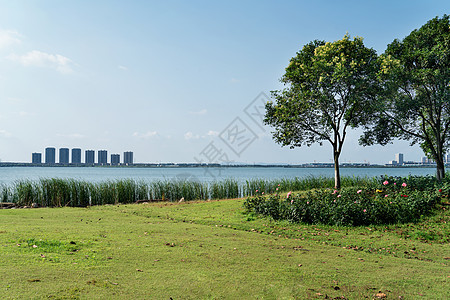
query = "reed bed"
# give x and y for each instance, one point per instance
(56, 192)
(258, 186)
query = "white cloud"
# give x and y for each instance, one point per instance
(26, 113)
(146, 135)
(234, 80)
(8, 37)
(123, 68)
(200, 112)
(41, 59)
(15, 100)
(190, 136)
(4, 133)
(213, 133)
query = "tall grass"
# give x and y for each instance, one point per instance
(225, 189)
(302, 184)
(56, 192)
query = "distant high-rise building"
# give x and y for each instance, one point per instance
(36, 158)
(115, 159)
(50, 155)
(102, 157)
(128, 158)
(426, 160)
(63, 155)
(399, 158)
(89, 157)
(76, 156)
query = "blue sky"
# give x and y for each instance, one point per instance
(171, 80)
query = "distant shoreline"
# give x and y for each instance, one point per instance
(198, 165)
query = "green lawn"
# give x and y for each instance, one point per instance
(212, 250)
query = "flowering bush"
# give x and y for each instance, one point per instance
(443, 189)
(386, 201)
(419, 183)
(348, 206)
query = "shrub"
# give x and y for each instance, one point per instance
(348, 206)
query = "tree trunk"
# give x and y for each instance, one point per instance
(439, 157)
(337, 176)
(440, 169)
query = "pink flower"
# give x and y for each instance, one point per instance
(335, 191)
(364, 210)
(385, 196)
(278, 185)
(404, 184)
(288, 194)
(358, 191)
(292, 201)
(277, 189)
(262, 193)
(355, 201)
(386, 182)
(390, 202)
(307, 202)
(338, 196)
(395, 183)
(440, 190)
(334, 200)
(256, 191)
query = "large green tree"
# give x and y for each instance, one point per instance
(416, 103)
(329, 88)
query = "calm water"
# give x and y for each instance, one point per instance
(10, 174)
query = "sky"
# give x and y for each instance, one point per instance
(175, 81)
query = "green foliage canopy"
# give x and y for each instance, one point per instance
(329, 88)
(416, 104)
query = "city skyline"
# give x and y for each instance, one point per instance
(115, 159)
(174, 80)
(89, 157)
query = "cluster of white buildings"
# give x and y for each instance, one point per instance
(102, 159)
(399, 161)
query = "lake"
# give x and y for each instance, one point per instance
(9, 175)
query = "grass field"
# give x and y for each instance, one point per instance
(212, 250)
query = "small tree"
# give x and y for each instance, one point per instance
(416, 104)
(329, 87)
